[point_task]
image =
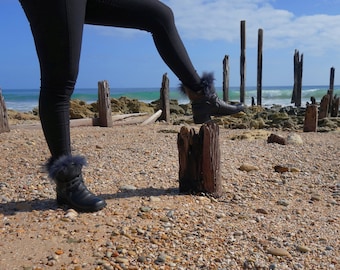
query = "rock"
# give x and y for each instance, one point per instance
(80, 109)
(273, 138)
(127, 187)
(248, 168)
(282, 202)
(278, 252)
(262, 211)
(71, 214)
(316, 197)
(121, 260)
(303, 249)
(281, 169)
(294, 138)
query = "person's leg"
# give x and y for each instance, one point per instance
(157, 18)
(57, 27)
(154, 17)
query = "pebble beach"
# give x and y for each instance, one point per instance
(265, 218)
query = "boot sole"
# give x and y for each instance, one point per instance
(94, 208)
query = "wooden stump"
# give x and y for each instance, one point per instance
(199, 160)
(104, 104)
(164, 99)
(335, 107)
(324, 104)
(311, 119)
(4, 127)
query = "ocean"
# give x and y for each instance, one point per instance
(25, 100)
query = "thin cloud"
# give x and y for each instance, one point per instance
(220, 20)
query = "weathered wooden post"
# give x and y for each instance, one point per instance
(243, 61)
(4, 127)
(259, 67)
(298, 70)
(199, 160)
(226, 78)
(164, 99)
(335, 107)
(324, 105)
(311, 118)
(104, 104)
(331, 89)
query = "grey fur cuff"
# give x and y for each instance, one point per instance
(62, 164)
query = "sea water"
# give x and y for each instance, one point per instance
(25, 100)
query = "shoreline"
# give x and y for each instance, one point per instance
(274, 117)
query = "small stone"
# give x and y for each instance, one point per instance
(262, 211)
(315, 197)
(248, 168)
(141, 259)
(279, 252)
(122, 260)
(127, 188)
(145, 209)
(59, 252)
(281, 169)
(161, 258)
(71, 214)
(282, 202)
(154, 199)
(303, 249)
(294, 170)
(164, 219)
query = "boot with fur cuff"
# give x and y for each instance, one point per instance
(70, 186)
(205, 103)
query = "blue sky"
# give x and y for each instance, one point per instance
(209, 29)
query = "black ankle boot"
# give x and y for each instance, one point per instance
(70, 187)
(205, 103)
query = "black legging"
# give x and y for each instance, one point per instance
(57, 27)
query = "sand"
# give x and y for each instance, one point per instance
(264, 219)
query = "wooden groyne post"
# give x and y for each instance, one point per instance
(199, 160)
(243, 61)
(164, 99)
(331, 89)
(226, 78)
(311, 118)
(259, 67)
(298, 68)
(104, 104)
(4, 127)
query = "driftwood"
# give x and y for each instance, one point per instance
(4, 127)
(311, 118)
(116, 119)
(152, 118)
(199, 160)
